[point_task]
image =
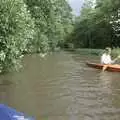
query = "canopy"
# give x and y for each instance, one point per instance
(7, 113)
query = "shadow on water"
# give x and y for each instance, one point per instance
(61, 87)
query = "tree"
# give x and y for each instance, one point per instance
(98, 24)
(31, 26)
(16, 29)
(53, 21)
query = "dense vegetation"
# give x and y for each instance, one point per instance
(98, 25)
(31, 26)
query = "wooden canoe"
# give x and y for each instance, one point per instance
(113, 68)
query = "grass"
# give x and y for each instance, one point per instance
(97, 52)
(89, 51)
(116, 51)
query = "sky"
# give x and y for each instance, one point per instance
(76, 6)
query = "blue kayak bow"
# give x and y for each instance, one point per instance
(7, 113)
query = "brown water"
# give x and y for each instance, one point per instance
(61, 87)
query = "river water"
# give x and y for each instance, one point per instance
(61, 87)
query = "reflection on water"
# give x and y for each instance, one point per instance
(61, 87)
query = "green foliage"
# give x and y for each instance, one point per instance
(116, 51)
(16, 29)
(98, 25)
(31, 26)
(53, 20)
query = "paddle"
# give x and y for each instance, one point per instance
(106, 66)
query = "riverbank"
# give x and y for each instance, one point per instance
(97, 52)
(89, 51)
(86, 51)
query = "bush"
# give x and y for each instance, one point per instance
(16, 29)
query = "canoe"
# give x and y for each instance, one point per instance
(8, 113)
(112, 68)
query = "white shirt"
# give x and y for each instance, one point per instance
(106, 59)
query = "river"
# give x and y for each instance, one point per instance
(61, 87)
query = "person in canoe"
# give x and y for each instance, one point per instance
(106, 58)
